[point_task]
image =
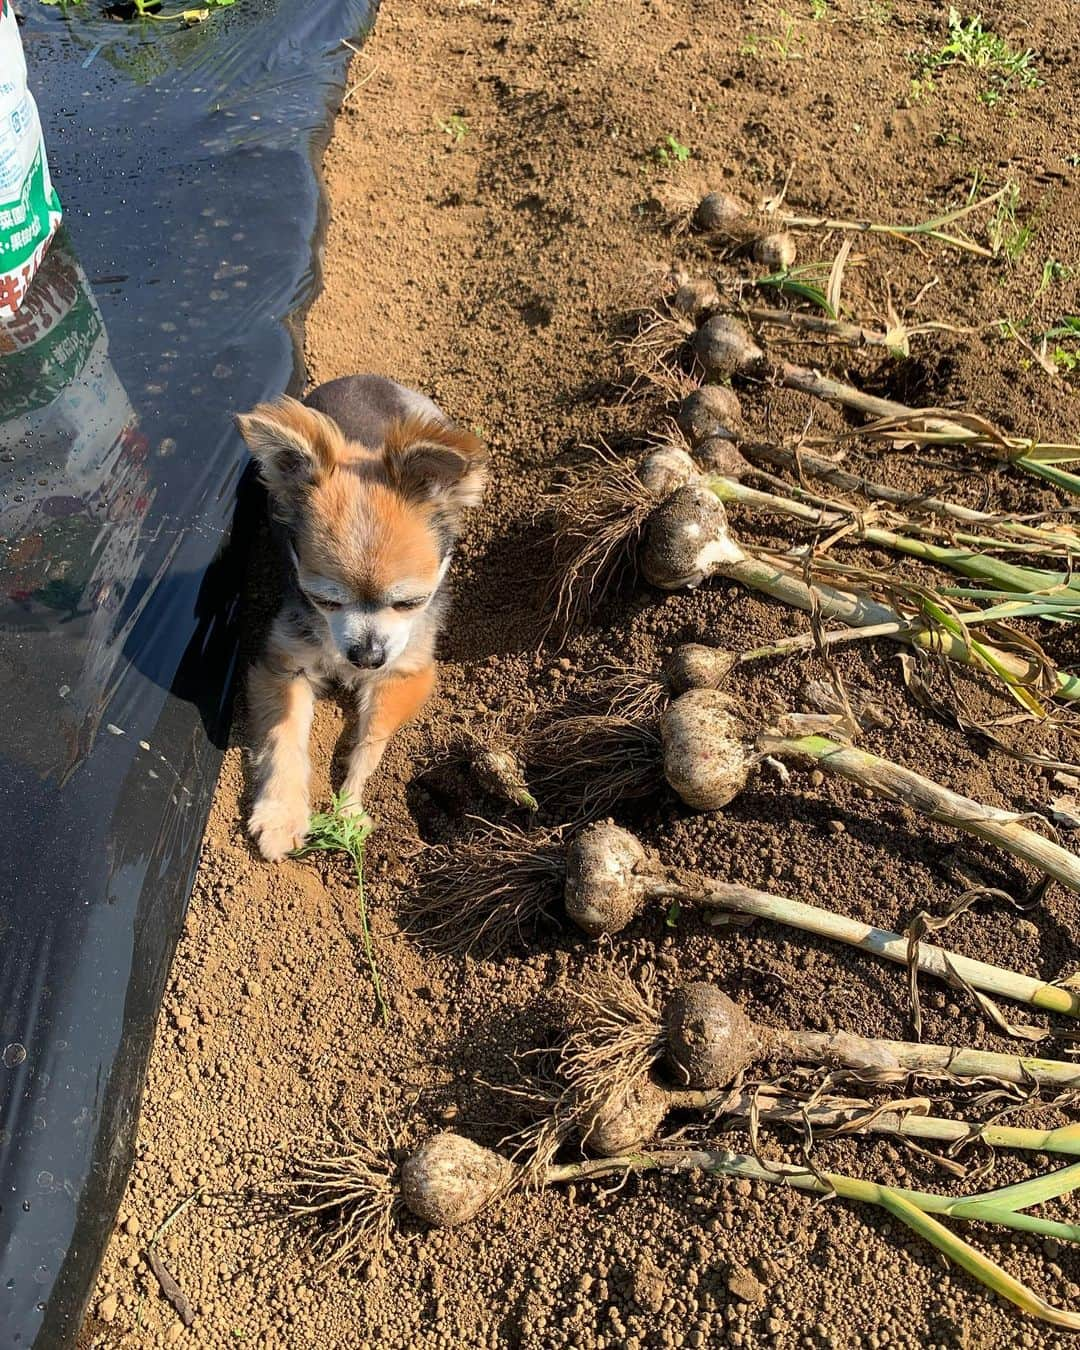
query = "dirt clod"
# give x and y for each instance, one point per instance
(744, 1285)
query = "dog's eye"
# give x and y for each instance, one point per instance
(402, 605)
(330, 605)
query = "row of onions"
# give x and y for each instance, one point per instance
(629, 1060)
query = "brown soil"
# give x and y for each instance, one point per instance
(490, 270)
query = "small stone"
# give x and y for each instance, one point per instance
(107, 1307)
(817, 778)
(647, 1286)
(131, 1227)
(836, 827)
(745, 1286)
(174, 1333)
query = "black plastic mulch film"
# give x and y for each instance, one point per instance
(184, 161)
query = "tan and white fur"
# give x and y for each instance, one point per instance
(367, 482)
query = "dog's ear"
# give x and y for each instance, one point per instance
(431, 460)
(294, 446)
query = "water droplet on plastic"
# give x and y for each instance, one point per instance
(14, 1054)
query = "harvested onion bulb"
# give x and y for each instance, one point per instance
(711, 412)
(449, 1179)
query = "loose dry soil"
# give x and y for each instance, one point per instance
(493, 192)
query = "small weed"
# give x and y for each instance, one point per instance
(970, 44)
(1052, 273)
(819, 9)
(340, 831)
(920, 87)
(949, 135)
(455, 127)
(879, 13)
(1068, 362)
(783, 47)
(669, 150)
(804, 283)
(1067, 359)
(1008, 236)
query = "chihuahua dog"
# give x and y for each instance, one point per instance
(367, 483)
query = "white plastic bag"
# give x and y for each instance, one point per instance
(29, 206)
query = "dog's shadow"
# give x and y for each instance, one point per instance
(499, 596)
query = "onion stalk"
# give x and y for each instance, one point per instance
(1062, 539)
(724, 348)
(968, 562)
(834, 1116)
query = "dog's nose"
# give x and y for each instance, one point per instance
(367, 655)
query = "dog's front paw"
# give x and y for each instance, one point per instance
(353, 807)
(278, 826)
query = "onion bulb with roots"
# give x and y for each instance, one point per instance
(607, 875)
(610, 878)
(708, 753)
(688, 539)
(777, 252)
(724, 346)
(710, 1040)
(449, 1179)
(361, 1221)
(695, 298)
(712, 411)
(621, 1039)
(632, 1114)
